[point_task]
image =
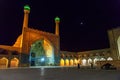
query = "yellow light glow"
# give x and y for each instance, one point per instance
(67, 62)
(62, 62)
(75, 62)
(48, 48)
(3, 62)
(71, 62)
(14, 62)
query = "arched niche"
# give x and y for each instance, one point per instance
(62, 62)
(109, 58)
(84, 62)
(118, 43)
(71, 62)
(67, 62)
(42, 53)
(3, 62)
(75, 61)
(14, 62)
(102, 59)
(90, 61)
(95, 61)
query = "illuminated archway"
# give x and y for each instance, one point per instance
(62, 63)
(102, 59)
(118, 43)
(14, 62)
(84, 62)
(109, 58)
(95, 61)
(71, 62)
(75, 61)
(3, 62)
(79, 60)
(66, 62)
(89, 61)
(41, 53)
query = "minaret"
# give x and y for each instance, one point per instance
(57, 21)
(25, 23)
(26, 15)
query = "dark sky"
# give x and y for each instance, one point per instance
(84, 23)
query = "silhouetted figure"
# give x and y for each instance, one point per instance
(78, 66)
(91, 65)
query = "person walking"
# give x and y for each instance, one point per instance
(78, 65)
(91, 65)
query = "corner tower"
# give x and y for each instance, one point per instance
(57, 21)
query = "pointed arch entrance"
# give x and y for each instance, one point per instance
(41, 53)
(118, 43)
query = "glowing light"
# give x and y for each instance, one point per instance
(42, 59)
(57, 19)
(71, 62)
(14, 62)
(4, 62)
(95, 61)
(49, 51)
(62, 62)
(89, 61)
(84, 62)
(26, 7)
(109, 59)
(102, 59)
(81, 23)
(75, 61)
(67, 62)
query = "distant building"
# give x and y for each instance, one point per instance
(38, 48)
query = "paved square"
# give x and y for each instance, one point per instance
(58, 74)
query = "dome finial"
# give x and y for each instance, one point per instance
(26, 7)
(57, 18)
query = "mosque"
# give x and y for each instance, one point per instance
(38, 48)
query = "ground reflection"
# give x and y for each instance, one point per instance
(42, 71)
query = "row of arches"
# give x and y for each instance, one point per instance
(82, 62)
(4, 62)
(81, 55)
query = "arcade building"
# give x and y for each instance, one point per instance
(38, 48)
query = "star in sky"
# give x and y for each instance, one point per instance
(81, 23)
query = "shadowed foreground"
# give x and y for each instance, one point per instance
(58, 74)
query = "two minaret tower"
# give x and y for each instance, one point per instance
(26, 17)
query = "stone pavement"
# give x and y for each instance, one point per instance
(58, 73)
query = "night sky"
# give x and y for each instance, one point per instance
(84, 23)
